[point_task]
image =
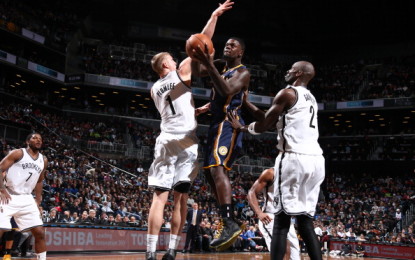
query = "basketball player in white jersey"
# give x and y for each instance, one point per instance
(265, 185)
(300, 164)
(25, 173)
(176, 150)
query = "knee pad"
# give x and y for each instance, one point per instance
(183, 187)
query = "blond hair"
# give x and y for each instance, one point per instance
(157, 61)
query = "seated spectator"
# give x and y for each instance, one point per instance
(74, 217)
(92, 217)
(206, 235)
(133, 221)
(53, 216)
(111, 220)
(84, 218)
(66, 217)
(106, 208)
(346, 249)
(360, 249)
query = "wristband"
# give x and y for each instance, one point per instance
(251, 129)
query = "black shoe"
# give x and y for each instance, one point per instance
(151, 256)
(228, 231)
(169, 255)
(184, 251)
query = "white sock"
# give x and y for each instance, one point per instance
(152, 242)
(41, 256)
(174, 241)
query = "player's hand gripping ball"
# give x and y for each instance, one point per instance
(198, 39)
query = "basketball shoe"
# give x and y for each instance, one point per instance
(151, 256)
(169, 255)
(228, 231)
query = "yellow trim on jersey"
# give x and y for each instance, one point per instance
(228, 101)
(234, 134)
(234, 68)
(215, 146)
(216, 165)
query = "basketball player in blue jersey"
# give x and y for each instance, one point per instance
(231, 80)
(299, 167)
(175, 153)
(25, 173)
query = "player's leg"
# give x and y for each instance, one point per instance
(306, 230)
(294, 244)
(160, 177)
(178, 219)
(223, 186)
(266, 230)
(186, 170)
(211, 182)
(155, 219)
(9, 238)
(229, 230)
(279, 236)
(314, 168)
(28, 218)
(40, 243)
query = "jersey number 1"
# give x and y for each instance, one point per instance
(168, 98)
(312, 117)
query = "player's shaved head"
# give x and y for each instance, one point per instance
(307, 68)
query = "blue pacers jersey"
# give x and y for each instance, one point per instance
(219, 105)
(224, 143)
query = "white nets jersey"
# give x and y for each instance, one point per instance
(268, 193)
(23, 175)
(174, 102)
(297, 127)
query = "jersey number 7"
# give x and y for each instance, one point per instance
(30, 173)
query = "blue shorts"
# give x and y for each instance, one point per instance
(14, 225)
(224, 145)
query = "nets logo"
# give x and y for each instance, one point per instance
(276, 201)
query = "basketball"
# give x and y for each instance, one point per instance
(198, 39)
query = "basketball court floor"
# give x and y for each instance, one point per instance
(179, 256)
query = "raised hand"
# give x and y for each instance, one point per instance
(201, 53)
(222, 8)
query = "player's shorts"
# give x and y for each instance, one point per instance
(297, 183)
(24, 210)
(175, 160)
(224, 145)
(14, 224)
(266, 231)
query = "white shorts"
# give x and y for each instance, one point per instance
(297, 183)
(24, 210)
(266, 231)
(175, 161)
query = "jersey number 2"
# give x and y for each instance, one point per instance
(312, 117)
(168, 98)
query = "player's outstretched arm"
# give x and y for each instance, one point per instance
(266, 177)
(210, 26)
(197, 68)
(282, 101)
(253, 110)
(202, 109)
